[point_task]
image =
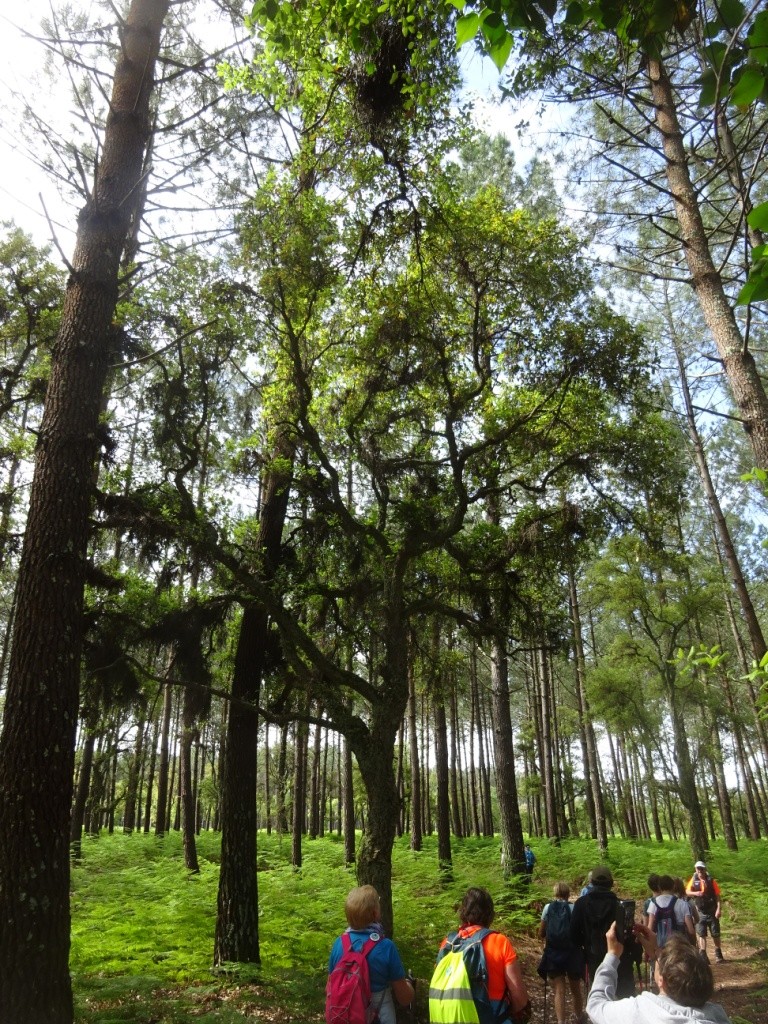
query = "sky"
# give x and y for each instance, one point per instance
(21, 182)
(27, 192)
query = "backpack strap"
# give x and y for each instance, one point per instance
(370, 942)
(471, 948)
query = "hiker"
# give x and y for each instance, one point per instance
(706, 896)
(481, 965)
(561, 959)
(668, 914)
(588, 886)
(653, 885)
(678, 888)
(530, 860)
(385, 968)
(592, 915)
(684, 981)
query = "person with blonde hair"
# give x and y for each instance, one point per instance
(561, 958)
(389, 981)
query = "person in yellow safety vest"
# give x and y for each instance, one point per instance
(502, 998)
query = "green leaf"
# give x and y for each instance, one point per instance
(748, 86)
(458, 4)
(714, 53)
(549, 7)
(758, 217)
(731, 13)
(757, 39)
(500, 52)
(466, 28)
(663, 17)
(755, 290)
(575, 13)
(495, 32)
(708, 93)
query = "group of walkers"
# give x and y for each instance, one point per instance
(598, 923)
(596, 945)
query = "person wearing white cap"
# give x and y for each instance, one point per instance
(705, 893)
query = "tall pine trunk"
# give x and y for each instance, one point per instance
(237, 916)
(37, 746)
(706, 281)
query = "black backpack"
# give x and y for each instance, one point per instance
(599, 914)
(558, 922)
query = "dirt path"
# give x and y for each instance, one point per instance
(741, 983)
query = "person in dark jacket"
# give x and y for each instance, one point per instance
(593, 914)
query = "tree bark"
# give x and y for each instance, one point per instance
(37, 747)
(511, 828)
(163, 771)
(592, 766)
(83, 788)
(349, 807)
(738, 363)
(724, 534)
(301, 745)
(237, 909)
(134, 771)
(186, 788)
(413, 742)
(237, 917)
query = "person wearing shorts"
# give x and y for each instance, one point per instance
(562, 959)
(705, 892)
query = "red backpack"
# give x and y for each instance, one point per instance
(348, 992)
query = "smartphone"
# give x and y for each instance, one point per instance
(625, 919)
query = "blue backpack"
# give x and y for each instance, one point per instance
(665, 921)
(458, 990)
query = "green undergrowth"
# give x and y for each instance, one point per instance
(143, 927)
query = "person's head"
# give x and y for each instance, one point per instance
(678, 888)
(362, 906)
(701, 868)
(561, 891)
(683, 975)
(665, 883)
(602, 876)
(476, 908)
(653, 883)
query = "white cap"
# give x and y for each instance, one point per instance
(700, 864)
